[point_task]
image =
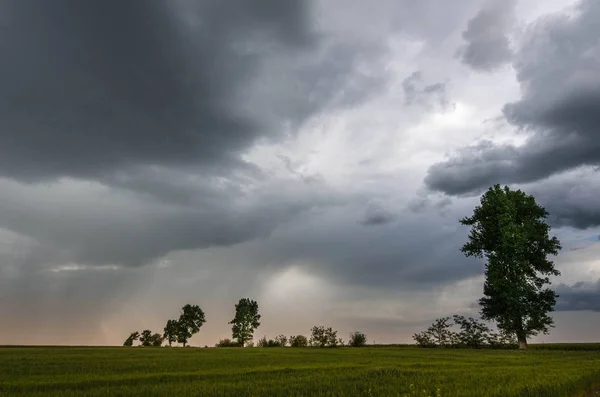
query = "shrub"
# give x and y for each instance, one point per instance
(357, 339)
(298, 341)
(281, 340)
(473, 334)
(264, 342)
(227, 343)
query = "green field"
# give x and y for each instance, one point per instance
(369, 371)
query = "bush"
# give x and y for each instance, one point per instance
(227, 343)
(264, 342)
(323, 337)
(473, 334)
(298, 341)
(281, 340)
(357, 339)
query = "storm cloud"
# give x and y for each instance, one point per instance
(559, 110)
(580, 296)
(487, 44)
(156, 153)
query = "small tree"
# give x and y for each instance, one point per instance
(281, 340)
(323, 337)
(357, 339)
(246, 320)
(146, 338)
(189, 323)
(133, 337)
(298, 341)
(171, 331)
(510, 231)
(440, 332)
(156, 340)
(473, 333)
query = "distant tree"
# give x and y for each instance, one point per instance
(171, 331)
(246, 320)
(357, 339)
(133, 337)
(510, 231)
(156, 340)
(189, 323)
(298, 341)
(146, 338)
(323, 337)
(281, 340)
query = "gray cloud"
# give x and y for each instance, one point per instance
(93, 88)
(487, 45)
(571, 200)
(332, 246)
(579, 296)
(557, 69)
(157, 101)
(416, 92)
(376, 215)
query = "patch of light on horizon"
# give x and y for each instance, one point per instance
(294, 286)
(72, 267)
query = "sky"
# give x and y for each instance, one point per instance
(313, 155)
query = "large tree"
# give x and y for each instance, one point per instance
(189, 323)
(509, 230)
(246, 320)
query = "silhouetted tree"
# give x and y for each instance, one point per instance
(357, 339)
(246, 320)
(171, 331)
(133, 337)
(189, 323)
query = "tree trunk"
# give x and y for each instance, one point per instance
(523, 344)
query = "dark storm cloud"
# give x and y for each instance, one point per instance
(570, 201)
(557, 67)
(156, 100)
(376, 215)
(93, 87)
(487, 46)
(579, 296)
(95, 225)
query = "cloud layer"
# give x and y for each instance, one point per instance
(157, 153)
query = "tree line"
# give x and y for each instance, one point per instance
(508, 230)
(244, 323)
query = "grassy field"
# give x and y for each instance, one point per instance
(370, 371)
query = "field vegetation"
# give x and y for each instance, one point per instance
(368, 371)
